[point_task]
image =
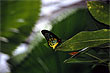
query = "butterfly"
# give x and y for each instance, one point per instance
(54, 41)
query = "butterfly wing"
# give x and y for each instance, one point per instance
(52, 39)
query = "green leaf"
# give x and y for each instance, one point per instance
(18, 18)
(43, 59)
(79, 60)
(73, 60)
(76, 22)
(100, 11)
(85, 39)
(80, 13)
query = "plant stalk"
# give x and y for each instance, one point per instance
(94, 57)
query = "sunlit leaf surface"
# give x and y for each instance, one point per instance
(85, 39)
(100, 11)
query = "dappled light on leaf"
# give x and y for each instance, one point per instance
(100, 11)
(85, 39)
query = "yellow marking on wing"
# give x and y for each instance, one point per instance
(54, 46)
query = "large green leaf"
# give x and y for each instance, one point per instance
(18, 18)
(85, 39)
(72, 60)
(100, 11)
(58, 29)
(43, 59)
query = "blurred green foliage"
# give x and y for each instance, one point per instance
(18, 18)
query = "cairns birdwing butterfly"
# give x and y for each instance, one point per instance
(52, 39)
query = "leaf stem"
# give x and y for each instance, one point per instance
(94, 57)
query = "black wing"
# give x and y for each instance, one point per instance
(51, 38)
